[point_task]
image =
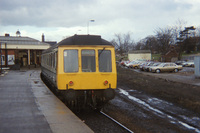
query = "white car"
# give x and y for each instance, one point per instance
(188, 64)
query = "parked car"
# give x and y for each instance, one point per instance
(180, 62)
(166, 67)
(124, 63)
(135, 64)
(141, 66)
(146, 68)
(188, 64)
(129, 65)
(154, 65)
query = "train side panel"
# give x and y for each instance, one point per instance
(49, 67)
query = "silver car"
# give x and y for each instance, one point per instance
(166, 67)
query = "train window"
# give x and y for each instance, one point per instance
(71, 60)
(105, 64)
(88, 61)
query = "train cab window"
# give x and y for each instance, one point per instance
(105, 64)
(88, 61)
(71, 61)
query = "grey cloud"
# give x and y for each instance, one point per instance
(40, 12)
(69, 13)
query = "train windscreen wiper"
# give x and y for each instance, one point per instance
(102, 51)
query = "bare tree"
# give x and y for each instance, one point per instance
(151, 43)
(178, 28)
(180, 24)
(140, 45)
(165, 39)
(123, 43)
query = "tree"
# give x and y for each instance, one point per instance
(148, 43)
(151, 43)
(187, 40)
(179, 38)
(139, 45)
(197, 32)
(165, 39)
(123, 43)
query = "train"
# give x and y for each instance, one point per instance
(82, 69)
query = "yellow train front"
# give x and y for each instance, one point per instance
(83, 69)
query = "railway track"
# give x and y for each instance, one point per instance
(100, 122)
(116, 122)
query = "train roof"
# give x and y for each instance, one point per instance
(84, 40)
(81, 40)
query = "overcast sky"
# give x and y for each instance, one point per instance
(58, 19)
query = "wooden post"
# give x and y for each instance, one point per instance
(35, 58)
(29, 59)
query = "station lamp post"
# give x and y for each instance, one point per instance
(88, 25)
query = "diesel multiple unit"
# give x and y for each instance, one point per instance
(82, 68)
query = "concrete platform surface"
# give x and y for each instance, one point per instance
(28, 106)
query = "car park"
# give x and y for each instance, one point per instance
(166, 67)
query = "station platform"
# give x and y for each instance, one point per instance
(28, 106)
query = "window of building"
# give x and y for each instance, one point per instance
(70, 60)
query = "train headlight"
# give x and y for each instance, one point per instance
(105, 82)
(71, 83)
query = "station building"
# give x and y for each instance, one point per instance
(139, 55)
(17, 51)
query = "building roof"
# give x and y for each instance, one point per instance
(139, 51)
(51, 42)
(20, 40)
